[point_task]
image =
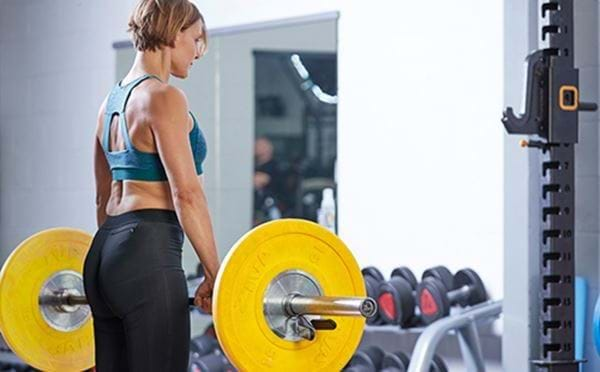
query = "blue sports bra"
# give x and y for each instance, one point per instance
(132, 164)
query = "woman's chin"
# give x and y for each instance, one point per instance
(180, 74)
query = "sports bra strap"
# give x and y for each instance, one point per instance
(129, 87)
(116, 104)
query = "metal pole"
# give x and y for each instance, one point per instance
(433, 334)
(294, 305)
(468, 339)
(340, 306)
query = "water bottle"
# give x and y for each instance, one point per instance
(326, 214)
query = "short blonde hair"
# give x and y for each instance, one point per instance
(155, 23)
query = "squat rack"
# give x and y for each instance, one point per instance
(551, 119)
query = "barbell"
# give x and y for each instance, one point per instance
(289, 296)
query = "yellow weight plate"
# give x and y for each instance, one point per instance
(24, 328)
(251, 264)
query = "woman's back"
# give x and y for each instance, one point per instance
(125, 131)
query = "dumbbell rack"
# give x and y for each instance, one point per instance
(463, 324)
(551, 117)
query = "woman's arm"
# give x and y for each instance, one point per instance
(169, 121)
(102, 173)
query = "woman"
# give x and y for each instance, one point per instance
(148, 165)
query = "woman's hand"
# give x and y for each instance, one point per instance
(203, 296)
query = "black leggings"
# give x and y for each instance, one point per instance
(137, 291)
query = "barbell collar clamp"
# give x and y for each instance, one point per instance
(301, 327)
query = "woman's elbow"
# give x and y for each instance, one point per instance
(187, 195)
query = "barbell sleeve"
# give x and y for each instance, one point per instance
(337, 306)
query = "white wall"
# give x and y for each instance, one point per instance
(425, 144)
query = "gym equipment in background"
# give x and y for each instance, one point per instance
(551, 117)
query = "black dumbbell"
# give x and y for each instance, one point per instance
(438, 364)
(372, 277)
(373, 272)
(435, 299)
(367, 359)
(396, 298)
(214, 362)
(203, 345)
(407, 274)
(397, 361)
(442, 274)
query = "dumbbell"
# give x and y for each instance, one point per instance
(203, 345)
(396, 298)
(441, 273)
(438, 364)
(372, 277)
(367, 359)
(435, 299)
(398, 361)
(214, 362)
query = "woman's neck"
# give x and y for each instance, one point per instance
(152, 62)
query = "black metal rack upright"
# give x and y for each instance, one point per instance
(551, 118)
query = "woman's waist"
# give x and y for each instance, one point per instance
(136, 203)
(147, 215)
(130, 195)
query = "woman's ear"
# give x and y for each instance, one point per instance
(178, 36)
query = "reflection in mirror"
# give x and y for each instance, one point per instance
(295, 144)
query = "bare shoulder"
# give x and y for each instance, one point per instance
(167, 102)
(102, 109)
